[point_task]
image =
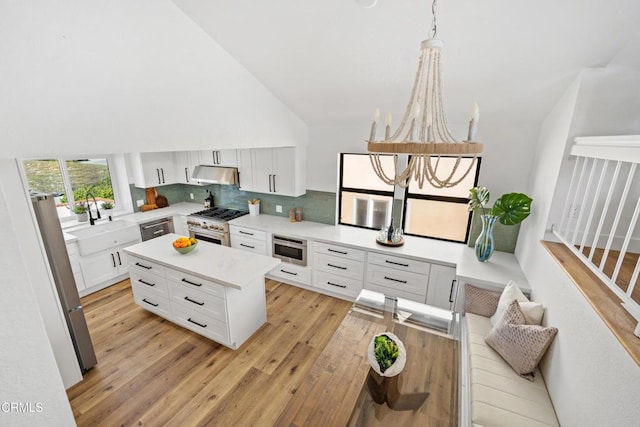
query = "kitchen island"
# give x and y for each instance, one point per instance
(215, 290)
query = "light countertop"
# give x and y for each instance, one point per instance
(501, 268)
(225, 265)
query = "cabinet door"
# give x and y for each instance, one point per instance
(225, 158)
(284, 168)
(442, 286)
(245, 169)
(186, 161)
(99, 268)
(262, 162)
(156, 169)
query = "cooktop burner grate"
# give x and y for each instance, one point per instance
(220, 214)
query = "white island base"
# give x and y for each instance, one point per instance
(215, 291)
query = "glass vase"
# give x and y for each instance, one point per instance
(484, 242)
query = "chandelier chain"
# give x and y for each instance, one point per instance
(434, 24)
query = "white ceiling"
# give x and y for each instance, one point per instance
(333, 62)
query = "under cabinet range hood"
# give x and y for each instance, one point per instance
(215, 175)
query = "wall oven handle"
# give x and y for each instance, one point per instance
(191, 283)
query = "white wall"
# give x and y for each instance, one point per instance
(591, 378)
(28, 371)
(122, 76)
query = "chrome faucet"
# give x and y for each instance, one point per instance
(92, 220)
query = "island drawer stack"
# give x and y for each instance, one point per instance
(339, 269)
(150, 286)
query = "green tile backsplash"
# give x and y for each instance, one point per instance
(317, 206)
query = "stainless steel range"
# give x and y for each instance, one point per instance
(211, 225)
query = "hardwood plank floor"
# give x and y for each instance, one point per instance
(151, 372)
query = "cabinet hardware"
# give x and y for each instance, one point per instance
(335, 284)
(143, 266)
(146, 283)
(396, 263)
(270, 190)
(453, 282)
(395, 280)
(247, 246)
(150, 303)
(158, 172)
(289, 272)
(338, 252)
(196, 323)
(162, 171)
(274, 184)
(158, 232)
(186, 174)
(337, 266)
(155, 224)
(191, 283)
(113, 258)
(244, 232)
(119, 260)
(195, 302)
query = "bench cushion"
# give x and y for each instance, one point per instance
(499, 396)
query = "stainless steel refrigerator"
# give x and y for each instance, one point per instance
(49, 224)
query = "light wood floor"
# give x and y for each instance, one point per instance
(151, 372)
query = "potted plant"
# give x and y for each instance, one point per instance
(509, 209)
(387, 354)
(107, 209)
(81, 212)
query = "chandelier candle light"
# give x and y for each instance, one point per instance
(423, 131)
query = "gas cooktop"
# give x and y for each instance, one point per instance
(220, 213)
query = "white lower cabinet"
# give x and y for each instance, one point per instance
(338, 269)
(443, 286)
(248, 239)
(292, 273)
(397, 276)
(104, 266)
(226, 315)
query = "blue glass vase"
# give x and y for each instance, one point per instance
(484, 242)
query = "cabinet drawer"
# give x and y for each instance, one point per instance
(196, 282)
(152, 302)
(341, 285)
(203, 324)
(144, 266)
(154, 284)
(399, 263)
(399, 280)
(340, 266)
(395, 292)
(339, 251)
(247, 233)
(251, 245)
(293, 272)
(198, 301)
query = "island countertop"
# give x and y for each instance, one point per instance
(222, 264)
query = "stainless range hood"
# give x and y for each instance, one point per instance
(215, 175)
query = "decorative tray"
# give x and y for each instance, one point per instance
(390, 243)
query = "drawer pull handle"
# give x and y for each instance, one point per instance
(192, 283)
(143, 266)
(146, 283)
(196, 323)
(247, 246)
(453, 282)
(289, 272)
(150, 303)
(396, 263)
(337, 252)
(244, 232)
(395, 280)
(337, 266)
(195, 302)
(335, 284)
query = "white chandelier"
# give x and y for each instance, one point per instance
(423, 132)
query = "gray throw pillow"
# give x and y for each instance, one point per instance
(480, 301)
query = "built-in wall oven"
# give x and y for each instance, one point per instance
(210, 225)
(156, 228)
(290, 249)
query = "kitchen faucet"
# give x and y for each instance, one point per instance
(92, 221)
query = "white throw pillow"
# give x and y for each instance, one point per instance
(532, 311)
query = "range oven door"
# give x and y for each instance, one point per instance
(211, 237)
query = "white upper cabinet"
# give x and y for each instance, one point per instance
(272, 170)
(225, 158)
(186, 161)
(153, 169)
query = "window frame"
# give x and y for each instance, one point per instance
(446, 199)
(341, 188)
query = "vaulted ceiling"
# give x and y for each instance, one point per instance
(333, 62)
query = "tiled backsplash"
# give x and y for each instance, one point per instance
(317, 206)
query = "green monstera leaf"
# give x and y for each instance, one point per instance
(479, 196)
(512, 208)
